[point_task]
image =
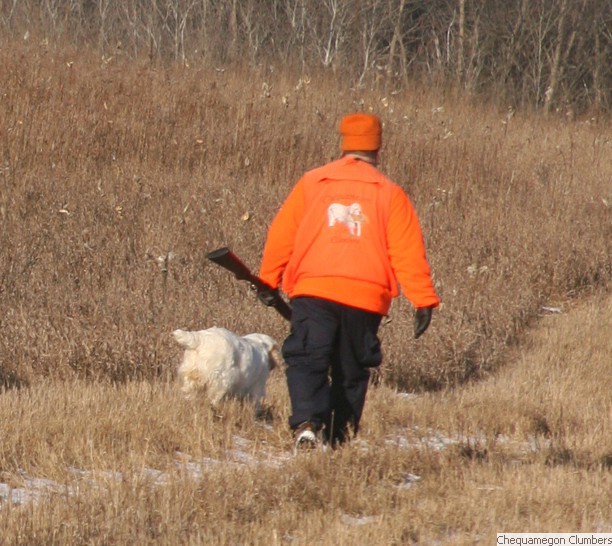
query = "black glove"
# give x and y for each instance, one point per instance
(422, 318)
(268, 297)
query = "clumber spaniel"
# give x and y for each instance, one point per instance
(223, 364)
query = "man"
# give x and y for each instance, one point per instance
(343, 240)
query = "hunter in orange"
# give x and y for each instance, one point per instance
(341, 246)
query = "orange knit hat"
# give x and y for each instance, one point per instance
(360, 132)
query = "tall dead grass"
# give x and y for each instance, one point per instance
(119, 175)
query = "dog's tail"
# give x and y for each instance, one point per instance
(275, 358)
(186, 339)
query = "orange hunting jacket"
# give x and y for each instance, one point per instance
(348, 234)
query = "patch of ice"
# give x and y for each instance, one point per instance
(360, 520)
(551, 310)
(34, 489)
(410, 480)
(12, 495)
(244, 453)
(407, 395)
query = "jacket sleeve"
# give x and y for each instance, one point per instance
(281, 237)
(407, 252)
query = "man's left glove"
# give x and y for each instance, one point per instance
(422, 318)
(268, 297)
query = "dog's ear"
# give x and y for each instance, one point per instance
(275, 357)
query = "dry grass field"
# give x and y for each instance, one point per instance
(117, 176)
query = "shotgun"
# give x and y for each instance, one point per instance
(266, 294)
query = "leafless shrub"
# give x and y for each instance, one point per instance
(554, 55)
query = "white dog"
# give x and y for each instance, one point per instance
(224, 364)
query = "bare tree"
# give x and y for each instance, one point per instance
(7, 11)
(553, 54)
(327, 26)
(555, 62)
(460, 41)
(406, 20)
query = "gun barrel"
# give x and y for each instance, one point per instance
(218, 254)
(228, 260)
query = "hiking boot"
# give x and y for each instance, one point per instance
(305, 437)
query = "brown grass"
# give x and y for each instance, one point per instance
(118, 176)
(526, 450)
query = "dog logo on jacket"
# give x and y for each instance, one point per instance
(350, 215)
(223, 364)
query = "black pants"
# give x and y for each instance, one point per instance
(328, 354)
